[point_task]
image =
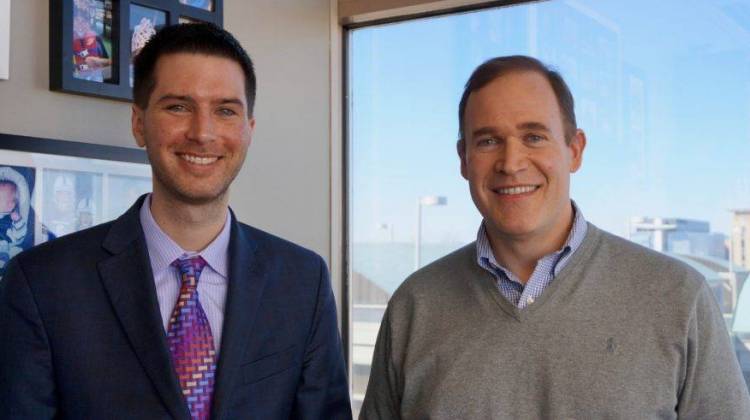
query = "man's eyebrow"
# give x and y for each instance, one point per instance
(483, 131)
(188, 98)
(235, 101)
(170, 97)
(532, 125)
(529, 125)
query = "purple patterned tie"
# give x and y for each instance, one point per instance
(190, 341)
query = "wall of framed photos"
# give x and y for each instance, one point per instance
(290, 44)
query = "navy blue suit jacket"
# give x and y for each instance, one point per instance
(81, 335)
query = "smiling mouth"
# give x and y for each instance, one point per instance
(199, 160)
(520, 189)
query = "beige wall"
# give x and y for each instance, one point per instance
(284, 186)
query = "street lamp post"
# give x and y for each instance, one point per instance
(428, 200)
(388, 228)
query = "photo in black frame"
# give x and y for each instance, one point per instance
(144, 23)
(91, 40)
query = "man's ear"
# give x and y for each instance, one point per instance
(137, 125)
(461, 149)
(576, 146)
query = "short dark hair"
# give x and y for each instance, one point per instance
(195, 38)
(501, 66)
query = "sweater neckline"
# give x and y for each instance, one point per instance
(565, 279)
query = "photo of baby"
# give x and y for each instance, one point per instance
(16, 214)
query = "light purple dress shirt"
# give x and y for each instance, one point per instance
(212, 284)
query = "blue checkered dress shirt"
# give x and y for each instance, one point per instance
(546, 268)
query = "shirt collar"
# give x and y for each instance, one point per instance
(162, 250)
(486, 258)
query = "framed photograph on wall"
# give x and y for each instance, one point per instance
(50, 188)
(93, 42)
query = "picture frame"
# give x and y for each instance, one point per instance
(92, 42)
(50, 188)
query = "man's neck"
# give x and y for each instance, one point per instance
(520, 254)
(192, 227)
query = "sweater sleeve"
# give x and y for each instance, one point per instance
(382, 398)
(713, 386)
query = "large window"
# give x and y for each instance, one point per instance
(662, 90)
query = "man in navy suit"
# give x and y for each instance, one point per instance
(176, 309)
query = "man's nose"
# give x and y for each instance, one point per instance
(512, 157)
(201, 127)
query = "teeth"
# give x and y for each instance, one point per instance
(516, 190)
(199, 160)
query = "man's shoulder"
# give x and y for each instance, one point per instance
(458, 260)
(619, 256)
(296, 272)
(441, 277)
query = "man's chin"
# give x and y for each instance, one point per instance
(196, 197)
(504, 228)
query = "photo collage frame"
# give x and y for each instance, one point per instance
(50, 188)
(93, 42)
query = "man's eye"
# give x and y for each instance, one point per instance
(176, 108)
(534, 138)
(488, 141)
(226, 112)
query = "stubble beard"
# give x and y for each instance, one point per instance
(180, 192)
(176, 192)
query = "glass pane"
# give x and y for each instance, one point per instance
(92, 40)
(662, 90)
(200, 4)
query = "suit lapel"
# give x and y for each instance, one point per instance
(244, 293)
(128, 279)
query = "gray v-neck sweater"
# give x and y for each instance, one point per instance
(622, 332)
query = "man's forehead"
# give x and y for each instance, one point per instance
(518, 83)
(170, 80)
(169, 59)
(526, 93)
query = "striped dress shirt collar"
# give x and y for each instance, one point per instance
(162, 250)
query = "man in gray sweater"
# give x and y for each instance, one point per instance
(546, 316)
